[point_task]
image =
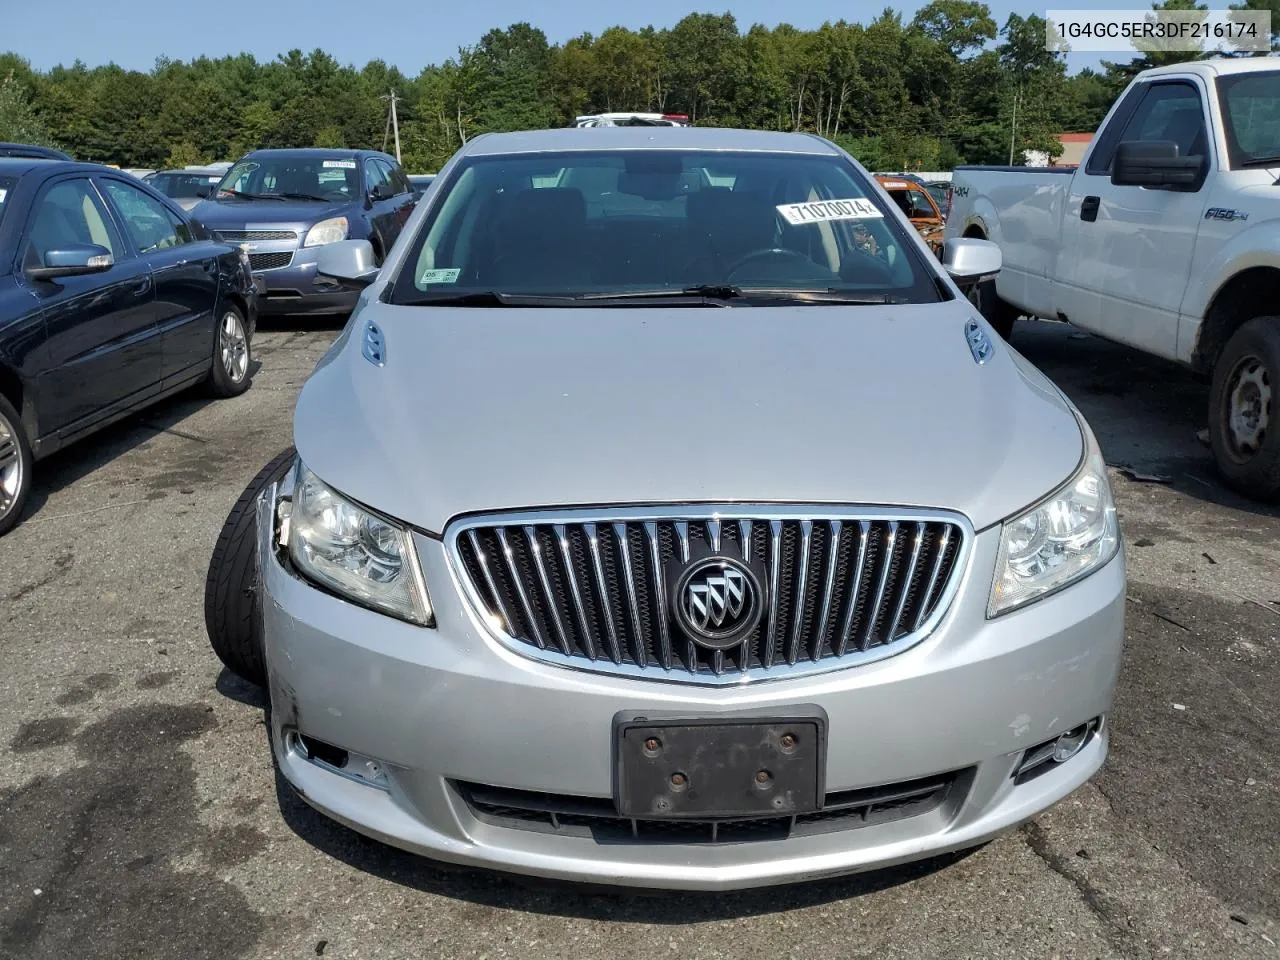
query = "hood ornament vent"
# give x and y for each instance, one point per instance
(979, 343)
(374, 349)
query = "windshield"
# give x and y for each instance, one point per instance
(292, 178)
(1251, 115)
(620, 223)
(183, 186)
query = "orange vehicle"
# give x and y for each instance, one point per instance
(919, 206)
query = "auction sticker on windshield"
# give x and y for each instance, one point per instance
(340, 164)
(444, 275)
(3, 194)
(817, 211)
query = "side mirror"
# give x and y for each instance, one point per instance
(1154, 163)
(969, 260)
(350, 261)
(73, 260)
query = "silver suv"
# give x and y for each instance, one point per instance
(665, 515)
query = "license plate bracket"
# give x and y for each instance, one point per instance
(710, 769)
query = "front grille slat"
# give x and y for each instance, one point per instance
(633, 604)
(846, 632)
(908, 576)
(886, 568)
(664, 631)
(270, 261)
(595, 591)
(514, 570)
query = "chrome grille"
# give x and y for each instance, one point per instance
(270, 261)
(243, 235)
(591, 591)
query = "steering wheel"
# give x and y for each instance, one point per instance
(777, 253)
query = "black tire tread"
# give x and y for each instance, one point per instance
(231, 585)
(218, 384)
(10, 519)
(1259, 479)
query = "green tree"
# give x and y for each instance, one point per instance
(18, 120)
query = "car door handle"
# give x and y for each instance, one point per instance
(142, 287)
(1089, 209)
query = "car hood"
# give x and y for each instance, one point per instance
(238, 214)
(488, 409)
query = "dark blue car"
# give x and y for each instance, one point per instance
(110, 299)
(282, 206)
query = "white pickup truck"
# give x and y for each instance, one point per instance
(1166, 237)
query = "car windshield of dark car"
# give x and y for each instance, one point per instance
(625, 223)
(292, 178)
(1251, 116)
(183, 186)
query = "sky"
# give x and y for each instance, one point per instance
(355, 33)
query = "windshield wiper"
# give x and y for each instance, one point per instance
(250, 196)
(1272, 161)
(486, 298)
(300, 196)
(724, 291)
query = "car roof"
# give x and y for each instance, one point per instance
(19, 166)
(646, 138)
(319, 152)
(32, 151)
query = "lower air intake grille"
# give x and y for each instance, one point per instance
(597, 818)
(242, 235)
(270, 261)
(606, 593)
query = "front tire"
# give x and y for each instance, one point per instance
(232, 355)
(15, 466)
(232, 612)
(999, 313)
(1243, 429)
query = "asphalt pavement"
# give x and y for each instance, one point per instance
(140, 814)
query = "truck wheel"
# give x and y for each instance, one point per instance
(231, 612)
(15, 466)
(999, 313)
(1243, 430)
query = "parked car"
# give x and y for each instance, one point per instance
(420, 182)
(1164, 238)
(31, 151)
(660, 536)
(110, 300)
(918, 205)
(632, 119)
(188, 186)
(283, 206)
(940, 190)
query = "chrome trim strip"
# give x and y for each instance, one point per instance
(615, 649)
(566, 555)
(713, 535)
(519, 585)
(508, 623)
(744, 539)
(885, 567)
(829, 587)
(943, 544)
(864, 539)
(535, 547)
(655, 553)
(698, 513)
(624, 550)
(775, 567)
(904, 590)
(802, 589)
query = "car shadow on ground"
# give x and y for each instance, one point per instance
(1146, 412)
(77, 461)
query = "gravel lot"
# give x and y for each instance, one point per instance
(140, 815)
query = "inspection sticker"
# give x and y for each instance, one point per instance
(444, 275)
(819, 210)
(339, 164)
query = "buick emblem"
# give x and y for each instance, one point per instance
(717, 602)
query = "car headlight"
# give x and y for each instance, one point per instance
(326, 231)
(360, 555)
(1068, 535)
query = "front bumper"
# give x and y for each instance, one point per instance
(448, 706)
(297, 289)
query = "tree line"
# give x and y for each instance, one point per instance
(948, 86)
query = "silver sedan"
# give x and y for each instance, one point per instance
(666, 516)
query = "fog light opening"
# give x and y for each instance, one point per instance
(326, 753)
(353, 766)
(1045, 756)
